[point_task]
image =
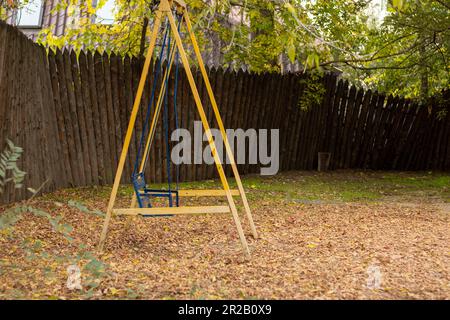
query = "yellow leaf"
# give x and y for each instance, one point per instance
(316, 60)
(397, 4)
(290, 8)
(291, 51)
(113, 291)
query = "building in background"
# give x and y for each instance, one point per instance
(41, 14)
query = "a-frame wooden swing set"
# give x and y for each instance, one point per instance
(172, 9)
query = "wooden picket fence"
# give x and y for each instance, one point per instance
(70, 114)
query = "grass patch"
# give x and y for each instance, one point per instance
(346, 186)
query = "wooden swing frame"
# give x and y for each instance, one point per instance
(165, 9)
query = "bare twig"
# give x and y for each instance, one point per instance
(37, 191)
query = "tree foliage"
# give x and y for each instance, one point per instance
(406, 53)
(409, 53)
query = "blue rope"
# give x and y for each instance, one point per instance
(177, 168)
(166, 84)
(152, 98)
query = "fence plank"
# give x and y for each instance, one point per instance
(62, 134)
(89, 118)
(313, 137)
(347, 123)
(393, 109)
(81, 118)
(379, 130)
(401, 137)
(4, 35)
(296, 124)
(189, 117)
(409, 128)
(74, 117)
(128, 93)
(335, 122)
(47, 158)
(18, 117)
(28, 121)
(285, 115)
(330, 94)
(322, 122)
(96, 117)
(122, 114)
(66, 112)
(204, 98)
(103, 117)
(341, 118)
(350, 139)
(394, 134)
(261, 101)
(110, 120)
(180, 116)
(246, 112)
(367, 138)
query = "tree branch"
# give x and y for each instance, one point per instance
(443, 3)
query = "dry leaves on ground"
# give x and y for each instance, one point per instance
(305, 251)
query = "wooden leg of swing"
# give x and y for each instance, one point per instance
(208, 134)
(130, 129)
(221, 126)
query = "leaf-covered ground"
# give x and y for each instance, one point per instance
(322, 236)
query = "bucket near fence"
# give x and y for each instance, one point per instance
(323, 160)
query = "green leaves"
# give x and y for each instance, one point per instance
(312, 61)
(291, 9)
(398, 4)
(8, 164)
(10, 217)
(83, 208)
(291, 50)
(95, 267)
(314, 90)
(412, 50)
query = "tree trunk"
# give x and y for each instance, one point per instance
(144, 32)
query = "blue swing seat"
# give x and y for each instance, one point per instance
(144, 194)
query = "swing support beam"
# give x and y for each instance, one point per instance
(165, 10)
(172, 210)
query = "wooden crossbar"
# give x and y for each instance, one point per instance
(172, 210)
(200, 193)
(206, 193)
